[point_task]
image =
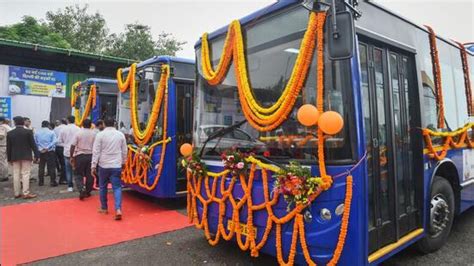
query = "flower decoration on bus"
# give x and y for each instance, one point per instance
(263, 118)
(235, 161)
(194, 165)
(143, 154)
(139, 160)
(76, 92)
(296, 185)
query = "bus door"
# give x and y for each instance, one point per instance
(184, 131)
(388, 84)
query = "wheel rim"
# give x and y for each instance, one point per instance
(439, 215)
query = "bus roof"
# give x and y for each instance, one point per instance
(283, 4)
(165, 59)
(100, 80)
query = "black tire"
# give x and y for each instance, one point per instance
(436, 238)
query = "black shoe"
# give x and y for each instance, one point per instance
(54, 184)
(88, 194)
(5, 179)
(82, 195)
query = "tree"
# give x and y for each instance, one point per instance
(168, 45)
(84, 31)
(30, 30)
(137, 43)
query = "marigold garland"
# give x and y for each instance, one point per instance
(204, 190)
(262, 118)
(91, 103)
(437, 77)
(143, 137)
(467, 79)
(123, 86)
(136, 170)
(73, 93)
(455, 139)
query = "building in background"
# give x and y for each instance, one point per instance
(38, 78)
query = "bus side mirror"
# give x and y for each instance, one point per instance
(340, 35)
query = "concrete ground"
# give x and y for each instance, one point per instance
(189, 247)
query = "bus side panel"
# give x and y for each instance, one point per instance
(463, 160)
(321, 236)
(166, 187)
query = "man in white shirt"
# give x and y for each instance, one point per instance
(4, 128)
(109, 155)
(67, 137)
(60, 126)
(81, 158)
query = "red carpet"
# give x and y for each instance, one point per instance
(42, 230)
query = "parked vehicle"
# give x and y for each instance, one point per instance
(397, 173)
(161, 96)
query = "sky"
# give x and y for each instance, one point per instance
(187, 19)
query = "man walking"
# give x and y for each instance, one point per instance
(46, 142)
(4, 128)
(20, 146)
(109, 156)
(81, 158)
(68, 135)
(60, 126)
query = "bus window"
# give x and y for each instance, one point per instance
(270, 63)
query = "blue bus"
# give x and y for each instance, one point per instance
(397, 173)
(152, 167)
(102, 103)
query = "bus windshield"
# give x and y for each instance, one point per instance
(272, 46)
(147, 79)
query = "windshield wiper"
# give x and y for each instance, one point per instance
(220, 133)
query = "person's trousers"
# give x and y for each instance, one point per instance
(69, 171)
(3, 162)
(83, 170)
(111, 175)
(60, 163)
(21, 175)
(47, 158)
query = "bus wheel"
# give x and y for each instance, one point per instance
(441, 216)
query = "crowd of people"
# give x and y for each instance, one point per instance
(71, 155)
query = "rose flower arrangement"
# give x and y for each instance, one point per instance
(194, 164)
(296, 184)
(235, 161)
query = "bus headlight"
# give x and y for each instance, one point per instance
(325, 214)
(308, 217)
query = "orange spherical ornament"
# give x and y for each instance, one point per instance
(308, 115)
(331, 122)
(186, 149)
